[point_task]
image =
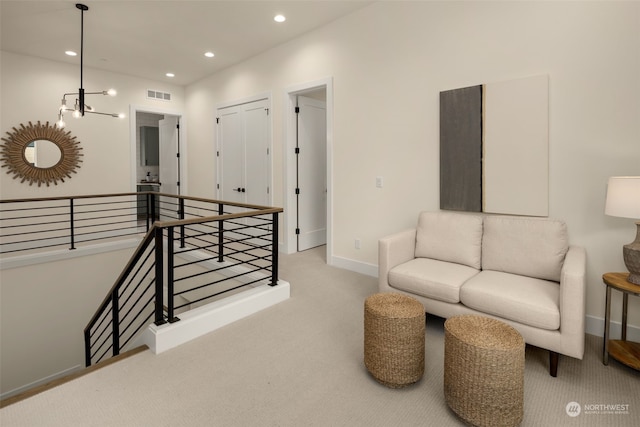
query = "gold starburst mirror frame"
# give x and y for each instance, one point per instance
(20, 142)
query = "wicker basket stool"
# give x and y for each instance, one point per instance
(394, 337)
(484, 371)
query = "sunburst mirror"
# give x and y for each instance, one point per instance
(40, 154)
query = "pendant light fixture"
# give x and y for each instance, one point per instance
(80, 108)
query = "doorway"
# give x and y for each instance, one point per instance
(311, 170)
(308, 180)
(157, 151)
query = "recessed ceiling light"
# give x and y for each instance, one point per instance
(279, 18)
(170, 75)
(70, 53)
(209, 54)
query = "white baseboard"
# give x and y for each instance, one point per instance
(61, 254)
(40, 382)
(207, 318)
(595, 326)
(357, 266)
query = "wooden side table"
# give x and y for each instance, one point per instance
(626, 352)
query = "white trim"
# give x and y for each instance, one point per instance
(182, 134)
(357, 266)
(289, 237)
(41, 381)
(202, 320)
(595, 326)
(40, 258)
(247, 100)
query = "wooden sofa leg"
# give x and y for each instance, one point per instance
(553, 363)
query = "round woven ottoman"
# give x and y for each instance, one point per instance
(394, 336)
(484, 371)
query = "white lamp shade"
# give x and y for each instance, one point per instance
(623, 197)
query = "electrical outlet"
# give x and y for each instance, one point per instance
(357, 243)
(379, 181)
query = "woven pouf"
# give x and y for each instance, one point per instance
(394, 337)
(484, 371)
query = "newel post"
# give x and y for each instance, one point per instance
(274, 249)
(159, 261)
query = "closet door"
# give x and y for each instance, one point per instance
(244, 144)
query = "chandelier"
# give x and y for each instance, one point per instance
(80, 108)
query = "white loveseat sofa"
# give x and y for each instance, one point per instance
(520, 270)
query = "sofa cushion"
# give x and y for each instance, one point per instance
(533, 247)
(431, 278)
(526, 300)
(449, 236)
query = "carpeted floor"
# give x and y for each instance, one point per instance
(300, 363)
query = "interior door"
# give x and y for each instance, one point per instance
(168, 149)
(230, 155)
(257, 137)
(244, 139)
(312, 173)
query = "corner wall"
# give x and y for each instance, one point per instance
(390, 60)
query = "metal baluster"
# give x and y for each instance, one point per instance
(71, 225)
(181, 217)
(159, 318)
(170, 267)
(274, 250)
(87, 347)
(220, 234)
(115, 322)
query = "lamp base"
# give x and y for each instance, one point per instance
(631, 254)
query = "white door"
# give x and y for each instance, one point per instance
(312, 173)
(168, 149)
(244, 139)
(257, 137)
(230, 155)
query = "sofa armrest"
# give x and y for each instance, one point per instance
(394, 250)
(572, 301)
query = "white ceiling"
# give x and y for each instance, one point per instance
(150, 38)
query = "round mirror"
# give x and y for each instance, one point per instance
(40, 153)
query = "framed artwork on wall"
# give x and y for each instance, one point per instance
(494, 148)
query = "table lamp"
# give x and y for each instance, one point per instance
(623, 200)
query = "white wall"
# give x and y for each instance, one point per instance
(32, 90)
(389, 62)
(42, 320)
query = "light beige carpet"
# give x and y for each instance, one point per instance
(300, 363)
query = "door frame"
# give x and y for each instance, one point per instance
(291, 92)
(133, 109)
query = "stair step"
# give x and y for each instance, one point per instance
(52, 384)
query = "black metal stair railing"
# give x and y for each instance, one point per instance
(192, 251)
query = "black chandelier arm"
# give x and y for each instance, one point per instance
(104, 114)
(80, 107)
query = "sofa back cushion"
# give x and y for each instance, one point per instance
(450, 236)
(533, 247)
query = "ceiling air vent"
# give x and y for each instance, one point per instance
(156, 94)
